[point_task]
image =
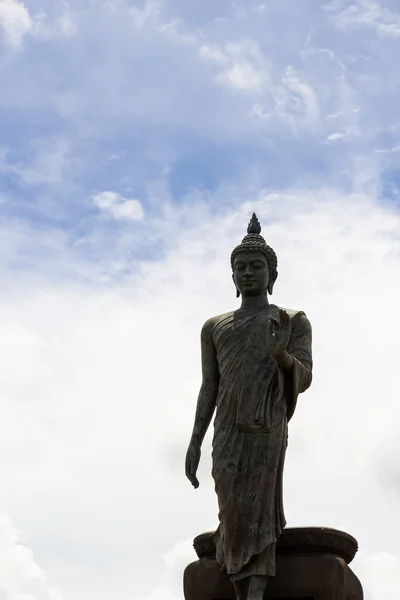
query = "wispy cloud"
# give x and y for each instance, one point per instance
(259, 9)
(45, 162)
(146, 15)
(296, 99)
(64, 24)
(365, 14)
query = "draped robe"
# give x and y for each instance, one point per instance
(255, 401)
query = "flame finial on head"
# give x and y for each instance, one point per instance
(254, 225)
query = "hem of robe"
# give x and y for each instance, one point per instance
(263, 563)
(260, 564)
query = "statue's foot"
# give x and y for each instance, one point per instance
(257, 587)
(241, 588)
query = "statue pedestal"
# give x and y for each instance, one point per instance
(311, 564)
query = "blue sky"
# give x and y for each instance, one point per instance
(136, 138)
(157, 101)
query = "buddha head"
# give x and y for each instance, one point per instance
(254, 263)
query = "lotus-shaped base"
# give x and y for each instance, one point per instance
(311, 564)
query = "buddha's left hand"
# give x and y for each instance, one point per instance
(278, 334)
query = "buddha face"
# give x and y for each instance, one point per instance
(251, 273)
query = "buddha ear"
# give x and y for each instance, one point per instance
(271, 284)
(237, 291)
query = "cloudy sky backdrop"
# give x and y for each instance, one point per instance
(136, 138)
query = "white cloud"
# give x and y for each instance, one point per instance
(175, 561)
(20, 577)
(118, 207)
(245, 68)
(242, 76)
(338, 135)
(365, 14)
(111, 367)
(380, 574)
(15, 21)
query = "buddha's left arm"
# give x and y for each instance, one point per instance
(300, 348)
(296, 374)
(298, 354)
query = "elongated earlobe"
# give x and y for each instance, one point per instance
(234, 282)
(270, 287)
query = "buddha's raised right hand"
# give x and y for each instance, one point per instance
(191, 464)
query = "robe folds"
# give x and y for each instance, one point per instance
(255, 401)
